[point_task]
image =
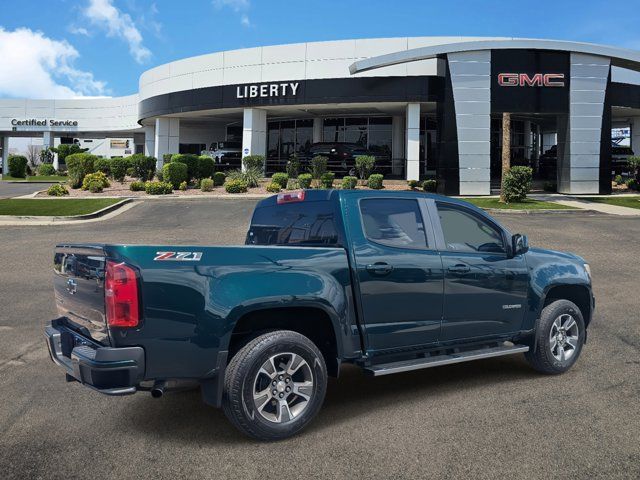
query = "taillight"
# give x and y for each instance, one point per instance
(121, 295)
(289, 197)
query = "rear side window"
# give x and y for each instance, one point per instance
(394, 222)
(303, 224)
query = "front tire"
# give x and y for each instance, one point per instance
(559, 337)
(275, 385)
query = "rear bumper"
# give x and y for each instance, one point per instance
(112, 371)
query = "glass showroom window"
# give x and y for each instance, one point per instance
(285, 138)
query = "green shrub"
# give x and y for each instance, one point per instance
(413, 184)
(274, 187)
(102, 165)
(57, 190)
(166, 157)
(137, 186)
(143, 167)
(158, 188)
(280, 178)
(94, 186)
(219, 178)
(119, 167)
(95, 178)
(517, 184)
(430, 185)
(235, 186)
(375, 181)
(250, 176)
(293, 184)
(18, 166)
(67, 149)
(254, 162)
(550, 187)
(175, 173)
(365, 165)
(205, 166)
(46, 169)
(318, 167)
(190, 160)
(326, 180)
(293, 166)
(349, 183)
(206, 184)
(632, 183)
(46, 155)
(634, 166)
(183, 186)
(304, 180)
(79, 165)
(618, 180)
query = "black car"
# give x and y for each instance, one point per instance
(341, 155)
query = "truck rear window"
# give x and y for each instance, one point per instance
(303, 224)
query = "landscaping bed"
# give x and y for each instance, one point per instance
(527, 204)
(628, 201)
(53, 206)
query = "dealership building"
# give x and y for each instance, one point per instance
(427, 107)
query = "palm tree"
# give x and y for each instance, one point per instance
(506, 150)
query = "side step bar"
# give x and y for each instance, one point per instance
(438, 360)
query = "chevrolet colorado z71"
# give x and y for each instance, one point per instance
(388, 281)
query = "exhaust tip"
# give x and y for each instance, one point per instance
(158, 389)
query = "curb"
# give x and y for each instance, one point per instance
(43, 220)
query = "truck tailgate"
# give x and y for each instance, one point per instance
(79, 289)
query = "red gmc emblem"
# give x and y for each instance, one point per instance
(536, 80)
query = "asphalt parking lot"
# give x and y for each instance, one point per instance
(495, 418)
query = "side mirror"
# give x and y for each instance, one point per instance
(519, 244)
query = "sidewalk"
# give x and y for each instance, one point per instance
(577, 202)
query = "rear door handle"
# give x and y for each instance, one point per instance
(460, 268)
(379, 268)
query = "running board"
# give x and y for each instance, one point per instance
(436, 361)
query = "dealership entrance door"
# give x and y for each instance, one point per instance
(534, 143)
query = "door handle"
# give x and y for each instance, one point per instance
(379, 268)
(460, 268)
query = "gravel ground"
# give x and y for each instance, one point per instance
(489, 419)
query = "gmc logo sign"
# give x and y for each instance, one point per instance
(536, 80)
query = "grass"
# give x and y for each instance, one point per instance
(528, 204)
(37, 178)
(54, 206)
(631, 202)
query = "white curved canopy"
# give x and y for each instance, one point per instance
(620, 57)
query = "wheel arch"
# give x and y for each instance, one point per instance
(576, 293)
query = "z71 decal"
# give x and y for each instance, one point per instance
(178, 256)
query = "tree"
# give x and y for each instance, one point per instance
(506, 152)
(66, 149)
(33, 154)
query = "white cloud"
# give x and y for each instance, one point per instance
(103, 14)
(78, 30)
(35, 66)
(238, 6)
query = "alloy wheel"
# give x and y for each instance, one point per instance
(564, 337)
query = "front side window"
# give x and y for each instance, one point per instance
(394, 222)
(465, 231)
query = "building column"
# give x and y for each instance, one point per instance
(5, 155)
(397, 145)
(254, 132)
(413, 141)
(166, 138)
(149, 140)
(635, 135)
(47, 142)
(580, 171)
(527, 139)
(317, 129)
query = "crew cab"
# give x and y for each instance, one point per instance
(388, 281)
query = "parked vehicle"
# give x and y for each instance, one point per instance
(388, 281)
(548, 163)
(227, 153)
(341, 156)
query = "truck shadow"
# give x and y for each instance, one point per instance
(183, 416)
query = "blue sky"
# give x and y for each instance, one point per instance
(67, 48)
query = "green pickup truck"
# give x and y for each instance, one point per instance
(388, 281)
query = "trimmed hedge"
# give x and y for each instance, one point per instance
(274, 187)
(236, 186)
(517, 184)
(206, 166)
(102, 165)
(281, 179)
(326, 180)
(430, 185)
(137, 186)
(175, 173)
(18, 166)
(57, 190)
(206, 184)
(91, 182)
(304, 180)
(78, 166)
(349, 183)
(190, 160)
(46, 169)
(158, 188)
(375, 181)
(219, 178)
(143, 167)
(119, 168)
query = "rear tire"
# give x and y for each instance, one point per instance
(275, 385)
(559, 337)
